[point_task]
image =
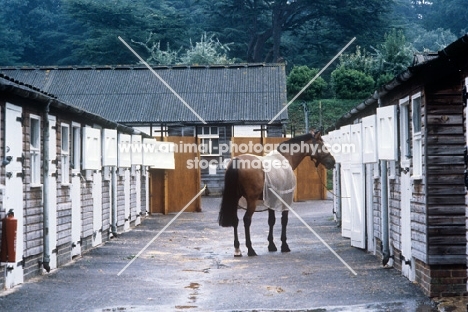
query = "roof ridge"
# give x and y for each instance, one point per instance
(140, 66)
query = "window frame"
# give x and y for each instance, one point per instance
(65, 153)
(35, 149)
(405, 133)
(75, 151)
(416, 123)
(207, 139)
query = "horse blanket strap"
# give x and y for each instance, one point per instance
(280, 177)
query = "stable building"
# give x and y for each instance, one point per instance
(64, 178)
(231, 101)
(402, 189)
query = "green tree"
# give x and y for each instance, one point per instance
(299, 77)
(102, 23)
(207, 51)
(352, 84)
(261, 25)
(433, 40)
(393, 56)
(447, 14)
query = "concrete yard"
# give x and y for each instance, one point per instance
(191, 267)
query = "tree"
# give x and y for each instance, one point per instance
(393, 56)
(352, 84)
(447, 14)
(299, 77)
(265, 22)
(433, 40)
(207, 51)
(103, 22)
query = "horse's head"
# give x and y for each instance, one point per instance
(320, 153)
(310, 144)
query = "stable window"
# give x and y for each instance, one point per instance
(417, 145)
(405, 142)
(76, 148)
(65, 153)
(209, 140)
(35, 149)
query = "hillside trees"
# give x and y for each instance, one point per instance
(262, 24)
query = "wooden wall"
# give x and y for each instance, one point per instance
(446, 229)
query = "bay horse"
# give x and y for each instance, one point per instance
(248, 182)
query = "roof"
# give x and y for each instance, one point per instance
(13, 87)
(133, 95)
(428, 66)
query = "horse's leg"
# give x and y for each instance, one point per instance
(247, 221)
(237, 251)
(284, 223)
(271, 223)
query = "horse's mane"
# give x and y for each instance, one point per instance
(300, 138)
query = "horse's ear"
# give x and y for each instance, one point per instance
(317, 135)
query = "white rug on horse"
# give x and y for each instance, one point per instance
(280, 177)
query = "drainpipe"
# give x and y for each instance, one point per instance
(114, 201)
(338, 193)
(46, 204)
(384, 205)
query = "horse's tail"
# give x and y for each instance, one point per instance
(228, 211)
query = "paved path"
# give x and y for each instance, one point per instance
(191, 267)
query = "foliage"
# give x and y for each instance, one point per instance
(352, 84)
(207, 51)
(322, 113)
(74, 32)
(299, 77)
(433, 40)
(395, 54)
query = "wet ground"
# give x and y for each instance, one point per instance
(190, 267)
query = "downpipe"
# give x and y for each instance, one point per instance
(45, 191)
(384, 187)
(114, 201)
(384, 201)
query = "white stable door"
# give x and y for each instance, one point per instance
(75, 190)
(407, 263)
(14, 186)
(358, 208)
(51, 192)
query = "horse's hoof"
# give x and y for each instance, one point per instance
(285, 249)
(237, 253)
(272, 247)
(252, 253)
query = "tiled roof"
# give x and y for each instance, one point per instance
(240, 93)
(13, 87)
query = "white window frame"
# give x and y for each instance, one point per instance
(65, 143)
(206, 140)
(416, 101)
(35, 149)
(76, 147)
(405, 134)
